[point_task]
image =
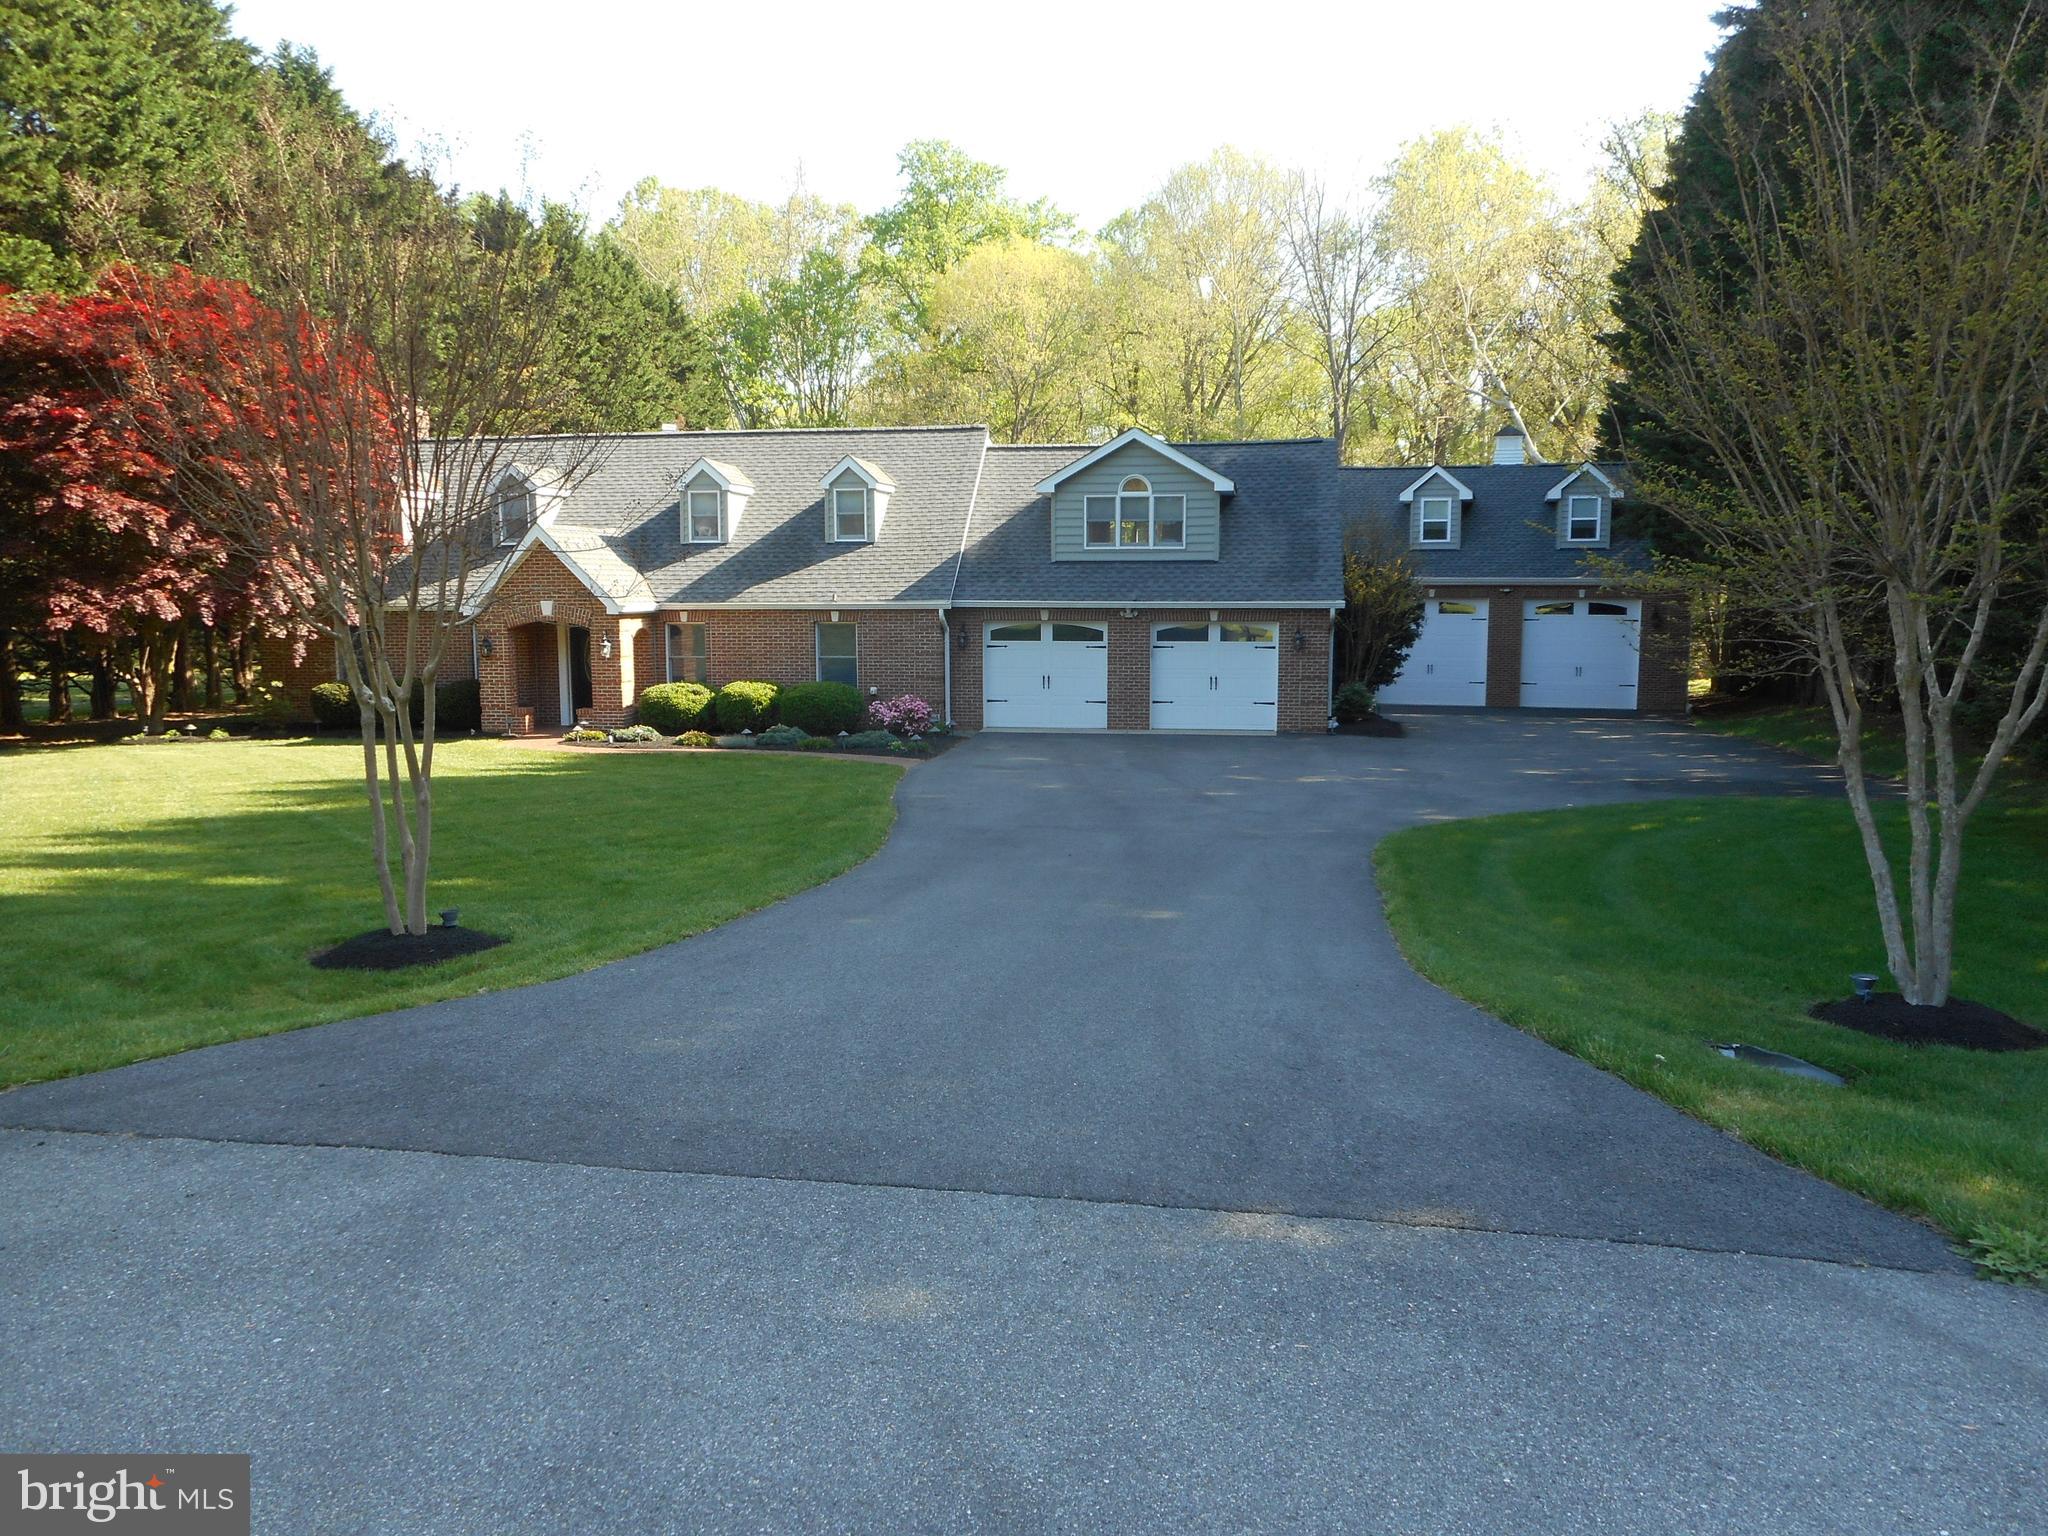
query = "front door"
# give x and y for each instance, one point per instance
(579, 669)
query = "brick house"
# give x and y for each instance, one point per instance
(1134, 585)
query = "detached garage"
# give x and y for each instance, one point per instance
(1580, 654)
(1448, 663)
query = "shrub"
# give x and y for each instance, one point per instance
(745, 706)
(823, 709)
(585, 733)
(783, 736)
(696, 739)
(334, 705)
(672, 708)
(815, 744)
(906, 716)
(734, 741)
(868, 741)
(629, 734)
(1355, 701)
(219, 733)
(458, 707)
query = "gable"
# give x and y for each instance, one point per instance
(1164, 476)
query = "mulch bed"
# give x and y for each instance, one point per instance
(1972, 1026)
(381, 950)
(1371, 725)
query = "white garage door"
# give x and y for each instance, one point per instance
(1049, 676)
(1448, 664)
(1579, 655)
(1215, 677)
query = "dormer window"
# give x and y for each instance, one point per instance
(712, 496)
(850, 514)
(1582, 520)
(1433, 519)
(1136, 518)
(513, 511)
(857, 496)
(707, 517)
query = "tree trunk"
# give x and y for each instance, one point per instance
(209, 655)
(10, 686)
(244, 663)
(181, 671)
(60, 681)
(104, 685)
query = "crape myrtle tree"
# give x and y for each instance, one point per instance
(1850, 380)
(299, 421)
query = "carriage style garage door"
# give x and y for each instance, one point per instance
(1579, 655)
(1048, 676)
(1448, 664)
(1215, 677)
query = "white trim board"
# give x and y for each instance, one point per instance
(1222, 483)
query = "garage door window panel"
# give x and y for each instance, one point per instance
(1246, 634)
(1169, 634)
(999, 633)
(1078, 634)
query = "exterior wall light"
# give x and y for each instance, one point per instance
(1300, 639)
(485, 645)
(604, 647)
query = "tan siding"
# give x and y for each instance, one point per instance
(1069, 510)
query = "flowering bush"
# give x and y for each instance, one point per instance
(906, 716)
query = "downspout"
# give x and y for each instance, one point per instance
(1330, 703)
(946, 646)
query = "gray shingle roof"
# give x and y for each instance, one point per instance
(623, 515)
(1281, 536)
(1509, 532)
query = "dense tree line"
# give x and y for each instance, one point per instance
(140, 135)
(1406, 317)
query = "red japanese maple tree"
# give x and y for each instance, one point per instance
(95, 533)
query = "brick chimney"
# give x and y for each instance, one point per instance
(1509, 446)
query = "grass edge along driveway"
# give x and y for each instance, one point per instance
(164, 896)
(1635, 935)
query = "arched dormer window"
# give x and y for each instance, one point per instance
(513, 511)
(1137, 517)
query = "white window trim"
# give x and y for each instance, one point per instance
(1423, 518)
(1571, 515)
(1117, 500)
(690, 494)
(867, 525)
(499, 496)
(1110, 542)
(668, 654)
(818, 648)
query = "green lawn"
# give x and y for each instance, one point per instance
(1634, 935)
(156, 897)
(1810, 729)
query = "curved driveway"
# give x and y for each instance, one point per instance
(1125, 969)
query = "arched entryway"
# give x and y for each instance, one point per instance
(550, 665)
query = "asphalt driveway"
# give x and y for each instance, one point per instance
(841, 1208)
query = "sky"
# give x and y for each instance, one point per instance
(1089, 104)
